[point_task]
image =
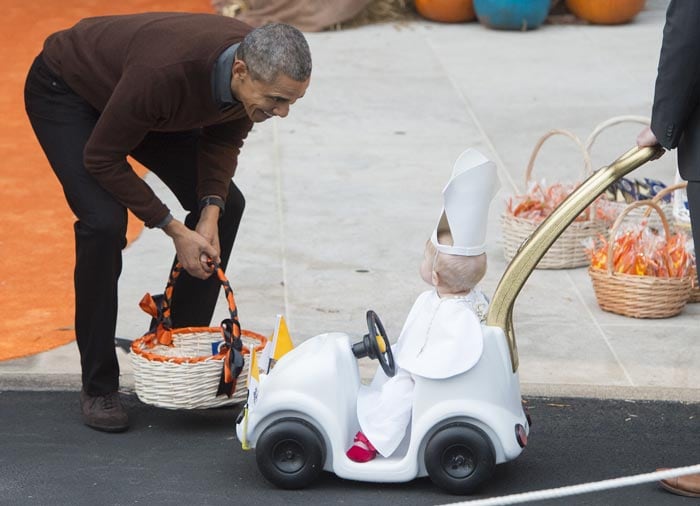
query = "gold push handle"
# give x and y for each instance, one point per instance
(535, 246)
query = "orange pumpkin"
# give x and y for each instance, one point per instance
(606, 12)
(446, 11)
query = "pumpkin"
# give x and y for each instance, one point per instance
(512, 14)
(606, 12)
(446, 11)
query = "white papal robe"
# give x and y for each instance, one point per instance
(441, 337)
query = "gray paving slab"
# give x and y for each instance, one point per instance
(344, 192)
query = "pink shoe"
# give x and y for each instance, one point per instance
(361, 450)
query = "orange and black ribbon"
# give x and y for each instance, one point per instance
(158, 307)
(231, 330)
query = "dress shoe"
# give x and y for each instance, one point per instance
(361, 450)
(104, 412)
(688, 485)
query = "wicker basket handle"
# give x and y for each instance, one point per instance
(228, 291)
(621, 217)
(541, 141)
(231, 327)
(659, 196)
(616, 120)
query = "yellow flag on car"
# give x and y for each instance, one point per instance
(280, 344)
(283, 341)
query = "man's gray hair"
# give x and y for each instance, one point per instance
(273, 49)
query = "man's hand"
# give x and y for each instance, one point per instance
(192, 249)
(646, 138)
(208, 227)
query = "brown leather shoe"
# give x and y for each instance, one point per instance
(104, 412)
(688, 485)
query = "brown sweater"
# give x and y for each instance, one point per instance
(151, 72)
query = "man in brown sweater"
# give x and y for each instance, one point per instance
(179, 93)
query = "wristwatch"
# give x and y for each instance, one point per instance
(212, 200)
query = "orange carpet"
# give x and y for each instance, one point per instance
(36, 237)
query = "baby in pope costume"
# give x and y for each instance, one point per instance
(442, 335)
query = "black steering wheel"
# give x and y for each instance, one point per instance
(371, 346)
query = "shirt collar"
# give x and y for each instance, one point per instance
(221, 79)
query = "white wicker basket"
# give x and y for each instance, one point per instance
(183, 368)
(186, 375)
(568, 250)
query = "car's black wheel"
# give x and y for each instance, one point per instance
(459, 458)
(290, 453)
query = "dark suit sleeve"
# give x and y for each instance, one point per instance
(676, 92)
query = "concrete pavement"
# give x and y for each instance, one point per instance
(343, 193)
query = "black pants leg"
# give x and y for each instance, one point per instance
(172, 156)
(62, 122)
(693, 191)
(194, 299)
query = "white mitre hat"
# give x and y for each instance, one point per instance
(466, 200)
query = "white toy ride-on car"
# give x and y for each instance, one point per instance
(304, 418)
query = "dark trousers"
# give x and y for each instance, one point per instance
(63, 122)
(693, 191)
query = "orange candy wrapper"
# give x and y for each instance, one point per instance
(640, 251)
(541, 200)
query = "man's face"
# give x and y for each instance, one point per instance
(264, 100)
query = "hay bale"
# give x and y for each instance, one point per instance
(382, 11)
(376, 11)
